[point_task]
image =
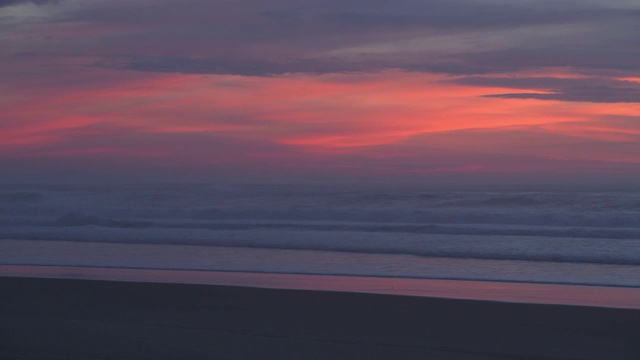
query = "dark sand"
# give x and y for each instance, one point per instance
(89, 319)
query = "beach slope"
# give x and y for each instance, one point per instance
(89, 319)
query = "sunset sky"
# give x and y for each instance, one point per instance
(314, 90)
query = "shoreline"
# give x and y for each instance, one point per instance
(509, 292)
(47, 319)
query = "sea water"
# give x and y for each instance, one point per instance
(545, 236)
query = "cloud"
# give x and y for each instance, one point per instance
(4, 3)
(251, 37)
(598, 94)
(102, 83)
(229, 65)
(547, 83)
(441, 14)
(600, 59)
(596, 90)
(494, 62)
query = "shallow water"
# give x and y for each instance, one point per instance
(152, 256)
(614, 297)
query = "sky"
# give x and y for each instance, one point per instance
(320, 90)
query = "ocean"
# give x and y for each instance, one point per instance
(555, 236)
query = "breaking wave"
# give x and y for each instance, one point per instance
(579, 227)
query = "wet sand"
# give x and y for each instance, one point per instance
(599, 296)
(94, 319)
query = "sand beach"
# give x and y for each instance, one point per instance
(95, 319)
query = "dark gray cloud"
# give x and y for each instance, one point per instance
(283, 36)
(443, 14)
(604, 62)
(304, 41)
(258, 38)
(544, 83)
(598, 90)
(235, 66)
(596, 94)
(588, 59)
(4, 3)
(252, 66)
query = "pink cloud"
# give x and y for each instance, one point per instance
(385, 123)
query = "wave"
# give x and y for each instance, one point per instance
(587, 227)
(82, 219)
(455, 224)
(529, 248)
(21, 197)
